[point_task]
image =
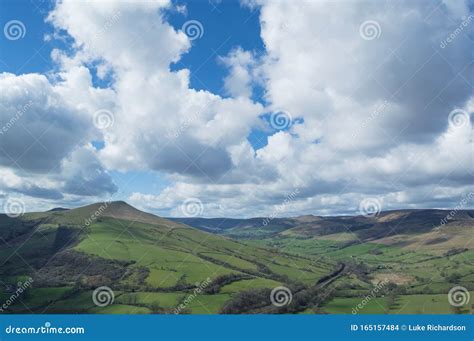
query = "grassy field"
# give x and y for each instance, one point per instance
(161, 299)
(120, 309)
(256, 283)
(208, 304)
(346, 306)
(405, 304)
(154, 265)
(150, 264)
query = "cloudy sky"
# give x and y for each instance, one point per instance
(228, 108)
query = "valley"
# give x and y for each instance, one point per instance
(398, 262)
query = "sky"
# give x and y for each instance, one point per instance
(237, 108)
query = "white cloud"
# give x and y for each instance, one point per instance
(320, 68)
(374, 112)
(84, 174)
(44, 126)
(242, 72)
(151, 102)
(35, 117)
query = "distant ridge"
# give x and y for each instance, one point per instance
(58, 209)
(383, 224)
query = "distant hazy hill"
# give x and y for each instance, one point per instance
(251, 227)
(401, 227)
(58, 209)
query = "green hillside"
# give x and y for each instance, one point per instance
(157, 265)
(68, 254)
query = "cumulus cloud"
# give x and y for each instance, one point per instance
(35, 117)
(242, 72)
(84, 175)
(159, 122)
(372, 88)
(320, 67)
(14, 183)
(375, 110)
(44, 125)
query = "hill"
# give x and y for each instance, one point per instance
(240, 228)
(404, 228)
(150, 262)
(157, 265)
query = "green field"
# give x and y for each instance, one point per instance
(154, 265)
(405, 304)
(249, 284)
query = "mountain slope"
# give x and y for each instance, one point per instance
(383, 228)
(153, 265)
(240, 228)
(114, 244)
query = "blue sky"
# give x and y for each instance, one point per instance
(118, 100)
(228, 24)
